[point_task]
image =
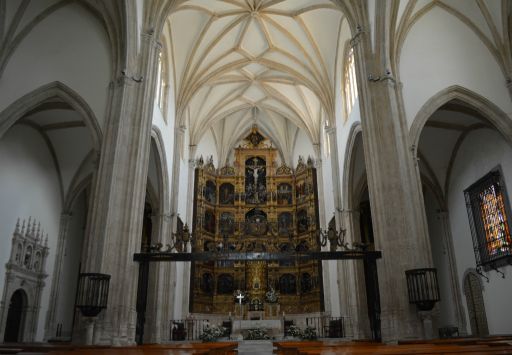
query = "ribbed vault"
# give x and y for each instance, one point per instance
(239, 62)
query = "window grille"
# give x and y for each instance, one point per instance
(489, 211)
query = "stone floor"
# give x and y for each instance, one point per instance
(255, 347)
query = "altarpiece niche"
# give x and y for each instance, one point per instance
(256, 206)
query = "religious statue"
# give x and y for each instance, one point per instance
(271, 296)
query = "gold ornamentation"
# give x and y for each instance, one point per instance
(227, 171)
(300, 165)
(284, 170)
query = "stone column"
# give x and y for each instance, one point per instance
(190, 213)
(398, 215)
(119, 193)
(326, 272)
(51, 326)
(158, 307)
(458, 310)
(352, 283)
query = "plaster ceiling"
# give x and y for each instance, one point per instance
(239, 62)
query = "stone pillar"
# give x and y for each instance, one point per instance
(352, 283)
(51, 326)
(458, 310)
(398, 214)
(115, 224)
(158, 307)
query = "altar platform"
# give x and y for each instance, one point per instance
(273, 327)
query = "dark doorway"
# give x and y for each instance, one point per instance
(475, 303)
(370, 270)
(15, 317)
(142, 288)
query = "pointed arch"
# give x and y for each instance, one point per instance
(52, 92)
(480, 104)
(348, 165)
(157, 144)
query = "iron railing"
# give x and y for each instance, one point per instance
(187, 329)
(330, 327)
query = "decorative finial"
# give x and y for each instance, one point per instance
(17, 228)
(38, 233)
(46, 240)
(23, 228)
(28, 225)
(33, 232)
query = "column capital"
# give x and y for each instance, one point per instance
(330, 130)
(149, 37)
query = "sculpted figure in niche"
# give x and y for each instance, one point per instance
(227, 194)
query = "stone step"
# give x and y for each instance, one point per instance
(255, 347)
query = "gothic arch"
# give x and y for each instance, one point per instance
(486, 108)
(473, 288)
(162, 171)
(50, 93)
(348, 165)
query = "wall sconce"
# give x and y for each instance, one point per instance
(336, 239)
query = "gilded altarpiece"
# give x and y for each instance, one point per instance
(256, 205)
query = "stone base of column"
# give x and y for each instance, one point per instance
(400, 325)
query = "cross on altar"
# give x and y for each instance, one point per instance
(240, 296)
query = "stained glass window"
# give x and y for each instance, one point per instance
(488, 211)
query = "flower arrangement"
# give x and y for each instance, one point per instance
(256, 334)
(294, 331)
(309, 333)
(212, 333)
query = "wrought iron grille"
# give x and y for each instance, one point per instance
(488, 211)
(92, 293)
(423, 288)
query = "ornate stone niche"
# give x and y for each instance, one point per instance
(24, 283)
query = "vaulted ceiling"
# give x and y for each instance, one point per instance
(234, 63)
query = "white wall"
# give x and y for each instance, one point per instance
(28, 187)
(68, 46)
(441, 262)
(207, 147)
(70, 160)
(482, 151)
(441, 51)
(303, 147)
(71, 265)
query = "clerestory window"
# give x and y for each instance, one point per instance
(349, 83)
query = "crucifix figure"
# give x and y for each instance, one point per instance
(255, 173)
(254, 167)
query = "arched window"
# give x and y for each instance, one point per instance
(27, 262)
(349, 82)
(161, 84)
(19, 250)
(37, 261)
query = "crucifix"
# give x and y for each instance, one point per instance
(255, 172)
(240, 296)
